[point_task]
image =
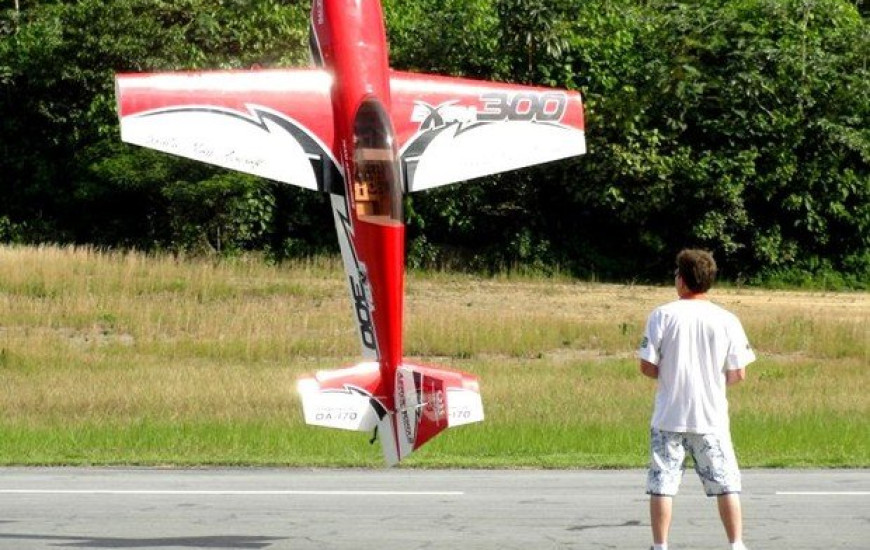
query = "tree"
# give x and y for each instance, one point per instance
(739, 126)
(57, 99)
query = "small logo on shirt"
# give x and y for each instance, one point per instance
(644, 343)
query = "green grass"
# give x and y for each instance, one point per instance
(124, 358)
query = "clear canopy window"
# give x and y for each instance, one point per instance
(377, 186)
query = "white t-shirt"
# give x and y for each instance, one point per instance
(693, 342)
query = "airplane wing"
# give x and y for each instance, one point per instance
(454, 129)
(276, 124)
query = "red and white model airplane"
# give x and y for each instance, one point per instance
(365, 134)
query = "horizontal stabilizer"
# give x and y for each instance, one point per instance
(343, 398)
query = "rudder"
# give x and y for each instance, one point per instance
(431, 399)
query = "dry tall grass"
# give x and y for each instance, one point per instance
(191, 360)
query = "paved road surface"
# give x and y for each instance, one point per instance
(397, 509)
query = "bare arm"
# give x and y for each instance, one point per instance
(735, 376)
(648, 369)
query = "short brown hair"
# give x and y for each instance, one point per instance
(697, 269)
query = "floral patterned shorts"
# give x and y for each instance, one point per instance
(713, 455)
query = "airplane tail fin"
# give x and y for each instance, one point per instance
(430, 399)
(425, 401)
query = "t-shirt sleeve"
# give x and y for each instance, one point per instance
(650, 344)
(740, 351)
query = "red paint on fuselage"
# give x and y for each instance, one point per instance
(353, 47)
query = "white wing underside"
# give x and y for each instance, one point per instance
(455, 156)
(224, 138)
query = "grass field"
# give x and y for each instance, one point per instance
(133, 359)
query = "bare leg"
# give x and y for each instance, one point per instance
(732, 516)
(660, 517)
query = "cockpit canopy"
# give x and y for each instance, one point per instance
(377, 183)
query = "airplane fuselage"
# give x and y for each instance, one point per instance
(350, 39)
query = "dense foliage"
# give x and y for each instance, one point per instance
(738, 125)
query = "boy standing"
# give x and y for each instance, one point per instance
(694, 349)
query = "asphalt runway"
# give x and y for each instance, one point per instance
(283, 509)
